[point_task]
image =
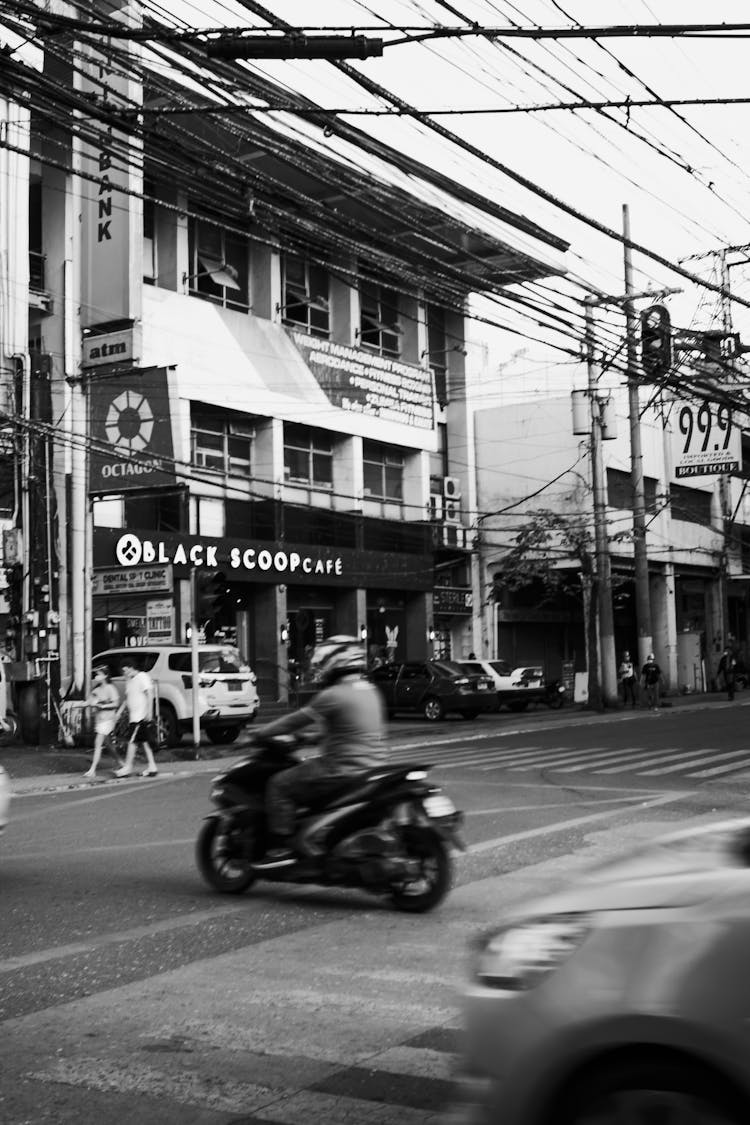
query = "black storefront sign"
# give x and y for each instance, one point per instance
(452, 601)
(264, 562)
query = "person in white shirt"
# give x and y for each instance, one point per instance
(139, 700)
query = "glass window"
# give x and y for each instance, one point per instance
(379, 328)
(218, 265)
(210, 516)
(437, 354)
(383, 471)
(308, 456)
(222, 444)
(306, 297)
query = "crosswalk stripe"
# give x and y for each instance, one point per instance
(732, 767)
(657, 757)
(713, 756)
(567, 756)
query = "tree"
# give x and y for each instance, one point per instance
(538, 554)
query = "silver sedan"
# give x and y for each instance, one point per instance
(622, 999)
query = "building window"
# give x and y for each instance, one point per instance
(224, 445)
(383, 471)
(692, 505)
(379, 328)
(209, 517)
(306, 297)
(308, 456)
(149, 244)
(620, 491)
(218, 265)
(437, 353)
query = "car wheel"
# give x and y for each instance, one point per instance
(169, 732)
(519, 705)
(217, 735)
(647, 1092)
(432, 709)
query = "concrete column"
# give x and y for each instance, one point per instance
(416, 481)
(670, 665)
(272, 661)
(344, 306)
(347, 474)
(265, 281)
(418, 621)
(268, 457)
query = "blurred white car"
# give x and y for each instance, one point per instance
(516, 687)
(625, 998)
(4, 798)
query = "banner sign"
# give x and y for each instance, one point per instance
(160, 621)
(452, 600)
(370, 384)
(111, 219)
(136, 581)
(705, 440)
(131, 430)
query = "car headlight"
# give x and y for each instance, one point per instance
(519, 956)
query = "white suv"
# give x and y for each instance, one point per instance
(227, 695)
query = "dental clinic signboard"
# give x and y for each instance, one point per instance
(131, 432)
(363, 383)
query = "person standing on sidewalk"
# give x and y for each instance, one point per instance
(626, 672)
(139, 700)
(105, 701)
(728, 671)
(651, 677)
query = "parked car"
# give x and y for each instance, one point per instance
(434, 687)
(624, 997)
(516, 688)
(228, 697)
(4, 798)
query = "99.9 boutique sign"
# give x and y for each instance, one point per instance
(705, 440)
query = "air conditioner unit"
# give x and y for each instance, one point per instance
(451, 488)
(452, 511)
(436, 506)
(454, 536)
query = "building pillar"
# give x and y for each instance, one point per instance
(272, 660)
(659, 620)
(418, 625)
(670, 606)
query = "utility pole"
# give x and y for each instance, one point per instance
(642, 594)
(604, 685)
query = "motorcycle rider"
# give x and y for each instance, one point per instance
(350, 712)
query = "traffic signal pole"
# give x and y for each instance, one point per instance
(640, 558)
(603, 686)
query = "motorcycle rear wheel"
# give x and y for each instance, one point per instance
(218, 862)
(416, 895)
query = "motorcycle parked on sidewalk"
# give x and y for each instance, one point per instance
(389, 832)
(554, 694)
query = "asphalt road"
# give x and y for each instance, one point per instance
(131, 993)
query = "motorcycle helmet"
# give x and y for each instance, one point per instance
(335, 657)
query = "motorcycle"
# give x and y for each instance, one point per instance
(554, 694)
(389, 832)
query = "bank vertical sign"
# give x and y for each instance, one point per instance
(112, 181)
(131, 432)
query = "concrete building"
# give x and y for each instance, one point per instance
(241, 383)
(696, 535)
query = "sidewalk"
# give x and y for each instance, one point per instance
(45, 768)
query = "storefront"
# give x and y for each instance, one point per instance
(274, 602)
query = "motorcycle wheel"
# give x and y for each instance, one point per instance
(555, 702)
(226, 872)
(423, 891)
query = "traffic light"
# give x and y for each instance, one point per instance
(656, 340)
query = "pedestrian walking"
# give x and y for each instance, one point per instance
(626, 673)
(105, 701)
(139, 701)
(651, 677)
(728, 671)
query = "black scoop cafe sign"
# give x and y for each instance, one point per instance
(131, 550)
